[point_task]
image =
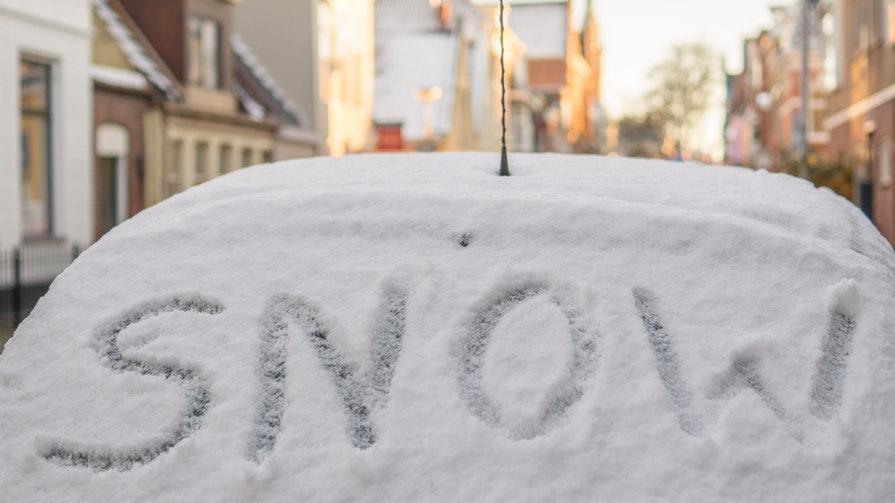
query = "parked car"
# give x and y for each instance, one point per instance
(415, 327)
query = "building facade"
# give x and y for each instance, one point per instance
(763, 127)
(861, 119)
(329, 70)
(130, 83)
(46, 169)
(218, 109)
(438, 78)
(563, 58)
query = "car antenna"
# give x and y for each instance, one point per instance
(504, 164)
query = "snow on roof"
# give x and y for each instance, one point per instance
(416, 328)
(253, 108)
(541, 27)
(134, 50)
(254, 65)
(119, 77)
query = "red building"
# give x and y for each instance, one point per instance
(861, 121)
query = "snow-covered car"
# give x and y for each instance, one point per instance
(417, 328)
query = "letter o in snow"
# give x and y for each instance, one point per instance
(474, 343)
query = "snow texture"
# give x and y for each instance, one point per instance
(416, 328)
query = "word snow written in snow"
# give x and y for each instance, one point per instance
(363, 393)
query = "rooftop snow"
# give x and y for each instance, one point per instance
(253, 108)
(133, 50)
(248, 58)
(416, 328)
(118, 77)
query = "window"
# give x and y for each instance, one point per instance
(226, 159)
(110, 174)
(205, 52)
(831, 56)
(37, 169)
(889, 17)
(267, 156)
(884, 153)
(107, 197)
(175, 169)
(201, 162)
(247, 158)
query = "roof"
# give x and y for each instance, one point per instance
(255, 87)
(119, 77)
(136, 49)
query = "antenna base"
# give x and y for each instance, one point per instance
(504, 164)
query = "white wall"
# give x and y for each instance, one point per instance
(60, 31)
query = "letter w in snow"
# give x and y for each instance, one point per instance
(827, 388)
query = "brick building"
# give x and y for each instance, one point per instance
(862, 106)
(129, 81)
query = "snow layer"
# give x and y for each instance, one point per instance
(416, 328)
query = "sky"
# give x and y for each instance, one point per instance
(637, 34)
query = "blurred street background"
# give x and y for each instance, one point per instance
(110, 106)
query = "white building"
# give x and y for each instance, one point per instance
(45, 122)
(431, 72)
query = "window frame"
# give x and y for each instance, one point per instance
(197, 59)
(46, 115)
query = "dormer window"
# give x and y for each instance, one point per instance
(205, 59)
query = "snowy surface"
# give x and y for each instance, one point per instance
(416, 328)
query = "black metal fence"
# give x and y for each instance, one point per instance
(25, 276)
